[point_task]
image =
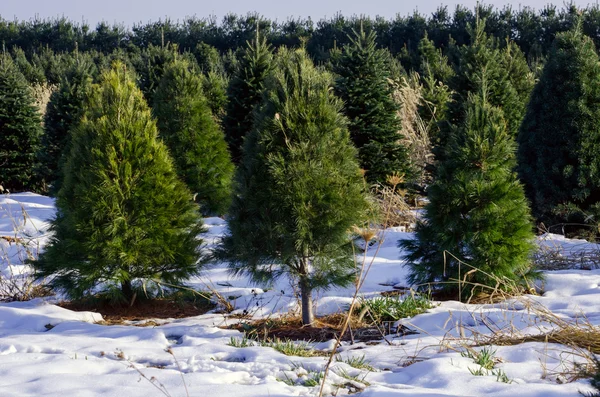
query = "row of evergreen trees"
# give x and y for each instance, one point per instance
(532, 30)
(298, 188)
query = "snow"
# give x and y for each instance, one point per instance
(46, 350)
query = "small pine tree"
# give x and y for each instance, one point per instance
(20, 129)
(559, 139)
(245, 91)
(477, 212)
(189, 129)
(299, 187)
(64, 110)
(374, 127)
(122, 213)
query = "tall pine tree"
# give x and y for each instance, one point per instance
(63, 112)
(507, 78)
(20, 129)
(187, 126)
(299, 188)
(244, 93)
(374, 127)
(122, 213)
(559, 139)
(477, 212)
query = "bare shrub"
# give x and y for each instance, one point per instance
(16, 280)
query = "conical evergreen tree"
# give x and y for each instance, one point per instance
(299, 187)
(559, 139)
(64, 110)
(508, 81)
(122, 212)
(477, 211)
(197, 145)
(20, 129)
(244, 93)
(374, 127)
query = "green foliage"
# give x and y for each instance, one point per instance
(188, 128)
(374, 127)
(477, 216)
(299, 189)
(390, 308)
(485, 358)
(508, 81)
(245, 91)
(358, 362)
(595, 380)
(122, 213)
(20, 129)
(559, 139)
(63, 112)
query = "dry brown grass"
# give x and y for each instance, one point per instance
(41, 95)
(408, 94)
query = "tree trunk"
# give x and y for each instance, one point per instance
(306, 297)
(128, 292)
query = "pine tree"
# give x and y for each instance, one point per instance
(508, 81)
(63, 112)
(374, 127)
(477, 212)
(244, 93)
(559, 139)
(20, 129)
(195, 141)
(299, 187)
(122, 213)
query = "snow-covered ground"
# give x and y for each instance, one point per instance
(46, 350)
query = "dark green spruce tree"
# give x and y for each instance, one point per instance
(559, 140)
(299, 188)
(244, 93)
(122, 213)
(64, 110)
(20, 130)
(374, 127)
(477, 212)
(190, 131)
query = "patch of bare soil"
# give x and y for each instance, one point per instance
(141, 310)
(323, 329)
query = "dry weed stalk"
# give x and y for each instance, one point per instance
(367, 234)
(553, 256)
(580, 337)
(16, 250)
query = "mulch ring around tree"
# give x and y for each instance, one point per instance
(142, 312)
(323, 329)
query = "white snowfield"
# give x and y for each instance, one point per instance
(46, 350)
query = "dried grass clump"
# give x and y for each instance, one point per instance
(408, 94)
(392, 203)
(41, 94)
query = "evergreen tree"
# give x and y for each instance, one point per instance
(559, 139)
(64, 110)
(508, 81)
(20, 129)
(244, 93)
(374, 126)
(122, 213)
(195, 141)
(299, 187)
(477, 211)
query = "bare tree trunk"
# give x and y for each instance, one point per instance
(306, 297)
